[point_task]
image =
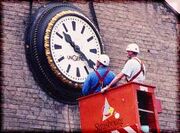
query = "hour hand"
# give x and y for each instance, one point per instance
(68, 38)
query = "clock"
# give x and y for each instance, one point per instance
(72, 46)
(62, 48)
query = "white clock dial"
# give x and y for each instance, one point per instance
(74, 46)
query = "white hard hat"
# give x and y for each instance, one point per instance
(104, 59)
(133, 47)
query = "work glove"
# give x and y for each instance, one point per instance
(104, 89)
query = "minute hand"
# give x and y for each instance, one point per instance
(89, 61)
(77, 49)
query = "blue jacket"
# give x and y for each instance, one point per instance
(93, 79)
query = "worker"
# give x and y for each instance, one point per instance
(99, 78)
(133, 70)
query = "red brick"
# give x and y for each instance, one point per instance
(150, 24)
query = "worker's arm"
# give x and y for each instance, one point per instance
(114, 81)
(86, 86)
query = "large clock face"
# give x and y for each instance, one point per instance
(62, 48)
(72, 46)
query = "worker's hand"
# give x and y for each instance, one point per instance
(104, 89)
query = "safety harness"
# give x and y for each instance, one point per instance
(100, 81)
(141, 70)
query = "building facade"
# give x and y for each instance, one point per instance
(150, 24)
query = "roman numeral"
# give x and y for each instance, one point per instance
(56, 46)
(60, 59)
(93, 51)
(74, 25)
(86, 69)
(65, 27)
(89, 39)
(59, 35)
(83, 28)
(68, 68)
(77, 72)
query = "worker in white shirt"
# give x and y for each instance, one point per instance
(133, 70)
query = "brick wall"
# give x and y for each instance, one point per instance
(25, 106)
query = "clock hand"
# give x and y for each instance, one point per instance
(68, 39)
(89, 61)
(77, 49)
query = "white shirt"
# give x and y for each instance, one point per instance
(132, 67)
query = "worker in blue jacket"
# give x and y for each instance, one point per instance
(99, 78)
